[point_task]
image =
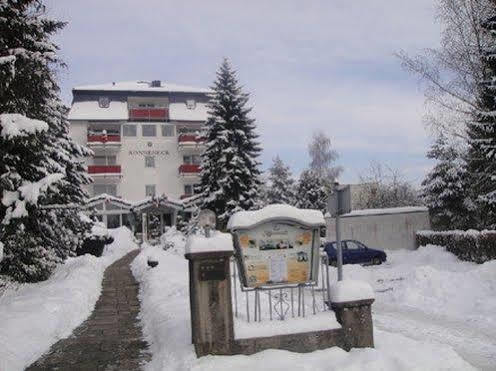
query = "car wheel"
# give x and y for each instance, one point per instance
(376, 261)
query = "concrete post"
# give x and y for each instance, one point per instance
(210, 302)
(356, 319)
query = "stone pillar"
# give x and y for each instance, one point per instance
(210, 302)
(356, 319)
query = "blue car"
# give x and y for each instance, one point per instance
(354, 252)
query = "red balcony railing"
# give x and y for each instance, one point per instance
(185, 196)
(104, 169)
(149, 114)
(189, 169)
(100, 138)
(190, 138)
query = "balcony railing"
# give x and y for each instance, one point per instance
(190, 138)
(148, 114)
(104, 169)
(100, 138)
(189, 169)
(186, 196)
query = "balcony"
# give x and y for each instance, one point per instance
(101, 143)
(190, 141)
(186, 196)
(106, 171)
(189, 170)
(148, 114)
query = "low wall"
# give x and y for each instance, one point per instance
(382, 228)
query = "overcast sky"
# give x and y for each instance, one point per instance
(307, 64)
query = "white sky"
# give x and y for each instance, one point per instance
(307, 64)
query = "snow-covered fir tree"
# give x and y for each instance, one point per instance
(312, 191)
(481, 161)
(445, 188)
(230, 169)
(281, 188)
(41, 165)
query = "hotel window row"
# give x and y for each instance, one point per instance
(148, 130)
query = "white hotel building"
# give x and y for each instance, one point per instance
(144, 136)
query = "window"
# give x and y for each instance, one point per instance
(110, 189)
(352, 245)
(190, 103)
(104, 160)
(188, 189)
(192, 159)
(149, 130)
(146, 105)
(129, 130)
(113, 221)
(150, 190)
(167, 130)
(149, 161)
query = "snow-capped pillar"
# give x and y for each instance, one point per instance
(210, 293)
(352, 301)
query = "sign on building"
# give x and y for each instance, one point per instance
(279, 249)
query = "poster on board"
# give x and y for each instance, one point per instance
(276, 253)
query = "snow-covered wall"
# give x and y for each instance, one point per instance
(382, 228)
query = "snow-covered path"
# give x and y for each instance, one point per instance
(474, 344)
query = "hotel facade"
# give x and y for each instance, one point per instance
(145, 136)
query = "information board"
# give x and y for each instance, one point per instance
(277, 253)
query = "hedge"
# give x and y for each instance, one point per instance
(471, 245)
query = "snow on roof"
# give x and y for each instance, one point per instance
(351, 290)
(180, 112)
(393, 210)
(217, 242)
(248, 219)
(108, 198)
(157, 201)
(90, 110)
(142, 86)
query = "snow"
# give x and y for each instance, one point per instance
(165, 316)
(90, 110)
(99, 230)
(35, 316)
(180, 112)
(218, 241)
(351, 290)
(16, 125)
(1, 251)
(248, 219)
(142, 86)
(318, 322)
(393, 210)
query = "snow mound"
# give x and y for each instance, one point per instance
(174, 241)
(351, 290)
(217, 242)
(248, 219)
(35, 316)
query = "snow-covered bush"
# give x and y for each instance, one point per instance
(173, 240)
(471, 245)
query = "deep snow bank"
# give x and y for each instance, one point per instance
(35, 316)
(165, 317)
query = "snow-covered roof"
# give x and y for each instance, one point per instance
(217, 242)
(142, 86)
(90, 110)
(108, 198)
(157, 201)
(180, 112)
(248, 219)
(393, 210)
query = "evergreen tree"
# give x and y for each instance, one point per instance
(41, 165)
(312, 191)
(444, 189)
(281, 188)
(481, 163)
(230, 169)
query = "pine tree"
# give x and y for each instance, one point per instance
(481, 163)
(312, 191)
(36, 151)
(230, 169)
(281, 188)
(444, 190)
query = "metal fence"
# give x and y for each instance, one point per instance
(283, 301)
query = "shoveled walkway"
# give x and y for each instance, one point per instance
(110, 339)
